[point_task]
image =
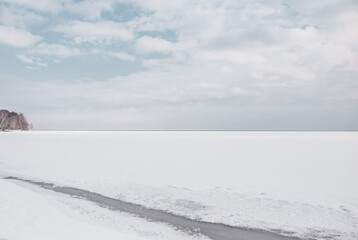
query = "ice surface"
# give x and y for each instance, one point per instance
(31, 213)
(299, 183)
(26, 215)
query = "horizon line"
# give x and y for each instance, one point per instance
(189, 130)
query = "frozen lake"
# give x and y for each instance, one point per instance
(299, 183)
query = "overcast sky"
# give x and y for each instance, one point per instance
(183, 64)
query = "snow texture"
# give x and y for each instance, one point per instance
(301, 184)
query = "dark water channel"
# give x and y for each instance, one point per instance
(215, 231)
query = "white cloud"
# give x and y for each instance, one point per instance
(123, 56)
(95, 32)
(149, 44)
(40, 54)
(25, 59)
(16, 17)
(16, 37)
(39, 5)
(163, 5)
(53, 50)
(231, 56)
(90, 9)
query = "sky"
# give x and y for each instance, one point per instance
(180, 65)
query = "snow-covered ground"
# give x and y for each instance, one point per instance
(27, 212)
(303, 183)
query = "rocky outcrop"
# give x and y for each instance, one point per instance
(12, 121)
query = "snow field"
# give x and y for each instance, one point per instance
(302, 184)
